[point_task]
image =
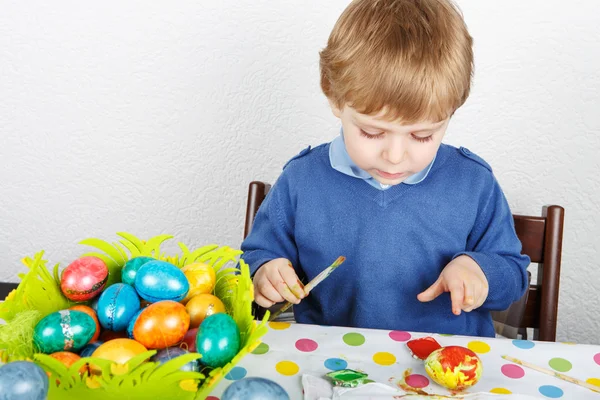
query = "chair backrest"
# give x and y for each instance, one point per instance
(541, 238)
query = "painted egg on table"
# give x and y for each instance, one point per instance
(23, 380)
(454, 367)
(189, 340)
(131, 268)
(116, 306)
(162, 324)
(201, 306)
(89, 311)
(218, 340)
(89, 349)
(84, 278)
(201, 277)
(164, 355)
(160, 280)
(63, 330)
(68, 359)
(119, 350)
(255, 389)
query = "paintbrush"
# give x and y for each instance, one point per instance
(312, 284)
(564, 377)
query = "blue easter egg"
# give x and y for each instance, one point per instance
(23, 380)
(65, 330)
(218, 340)
(255, 389)
(131, 268)
(116, 306)
(132, 322)
(164, 355)
(160, 280)
(89, 349)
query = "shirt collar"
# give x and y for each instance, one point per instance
(341, 161)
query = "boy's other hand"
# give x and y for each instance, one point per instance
(465, 281)
(276, 281)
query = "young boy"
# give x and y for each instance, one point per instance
(427, 233)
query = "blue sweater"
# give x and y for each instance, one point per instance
(396, 242)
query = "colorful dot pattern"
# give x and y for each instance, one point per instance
(334, 349)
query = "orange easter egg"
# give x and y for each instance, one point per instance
(90, 311)
(201, 277)
(201, 306)
(119, 350)
(161, 324)
(68, 359)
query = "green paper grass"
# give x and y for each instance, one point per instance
(39, 294)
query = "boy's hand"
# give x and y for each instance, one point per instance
(276, 281)
(465, 281)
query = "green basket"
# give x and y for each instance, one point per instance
(39, 294)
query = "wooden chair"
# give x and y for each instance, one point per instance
(541, 238)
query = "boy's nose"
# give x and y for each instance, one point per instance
(394, 153)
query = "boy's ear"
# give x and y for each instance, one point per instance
(334, 108)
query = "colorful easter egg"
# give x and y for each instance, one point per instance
(89, 311)
(89, 349)
(218, 340)
(201, 306)
(255, 389)
(189, 340)
(119, 350)
(201, 277)
(164, 355)
(68, 359)
(131, 268)
(23, 380)
(63, 330)
(117, 304)
(454, 367)
(84, 278)
(132, 322)
(160, 280)
(162, 324)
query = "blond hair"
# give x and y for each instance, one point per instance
(411, 59)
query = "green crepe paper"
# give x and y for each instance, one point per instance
(39, 294)
(347, 378)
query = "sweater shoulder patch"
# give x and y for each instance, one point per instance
(474, 157)
(299, 155)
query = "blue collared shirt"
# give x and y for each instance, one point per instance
(340, 161)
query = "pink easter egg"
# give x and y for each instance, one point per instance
(84, 278)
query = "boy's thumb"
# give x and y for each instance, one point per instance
(432, 292)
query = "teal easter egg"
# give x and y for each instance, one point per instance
(132, 322)
(159, 280)
(65, 330)
(23, 380)
(218, 340)
(131, 268)
(116, 306)
(255, 389)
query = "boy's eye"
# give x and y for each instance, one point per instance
(423, 139)
(371, 135)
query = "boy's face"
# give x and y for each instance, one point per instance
(389, 151)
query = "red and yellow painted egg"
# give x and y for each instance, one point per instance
(63, 331)
(201, 306)
(89, 311)
(201, 277)
(68, 359)
(454, 367)
(84, 278)
(162, 324)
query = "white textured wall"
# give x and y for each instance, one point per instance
(152, 117)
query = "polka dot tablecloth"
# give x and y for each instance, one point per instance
(290, 350)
